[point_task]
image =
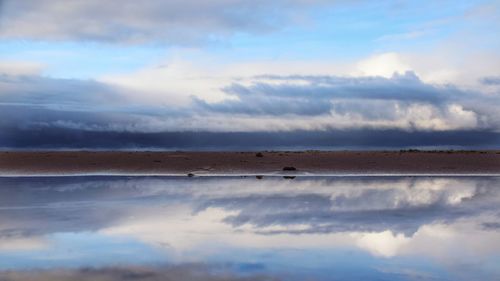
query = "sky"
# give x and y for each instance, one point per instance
(235, 74)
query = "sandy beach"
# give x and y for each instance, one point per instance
(315, 162)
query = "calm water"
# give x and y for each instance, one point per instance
(232, 228)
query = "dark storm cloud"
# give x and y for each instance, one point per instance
(172, 21)
(59, 93)
(61, 138)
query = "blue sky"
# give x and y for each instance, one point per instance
(338, 32)
(167, 56)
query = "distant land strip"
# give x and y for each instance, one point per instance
(265, 162)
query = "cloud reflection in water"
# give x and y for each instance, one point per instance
(314, 226)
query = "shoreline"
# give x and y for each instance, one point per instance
(259, 176)
(321, 163)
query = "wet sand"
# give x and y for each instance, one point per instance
(317, 162)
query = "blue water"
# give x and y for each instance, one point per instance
(243, 228)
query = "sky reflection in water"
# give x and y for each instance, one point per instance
(231, 228)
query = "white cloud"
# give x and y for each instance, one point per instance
(385, 65)
(173, 83)
(386, 243)
(19, 244)
(11, 67)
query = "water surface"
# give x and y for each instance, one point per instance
(233, 228)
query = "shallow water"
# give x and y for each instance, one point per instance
(233, 228)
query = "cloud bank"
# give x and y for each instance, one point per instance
(328, 111)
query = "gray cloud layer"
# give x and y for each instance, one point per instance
(172, 21)
(283, 95)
